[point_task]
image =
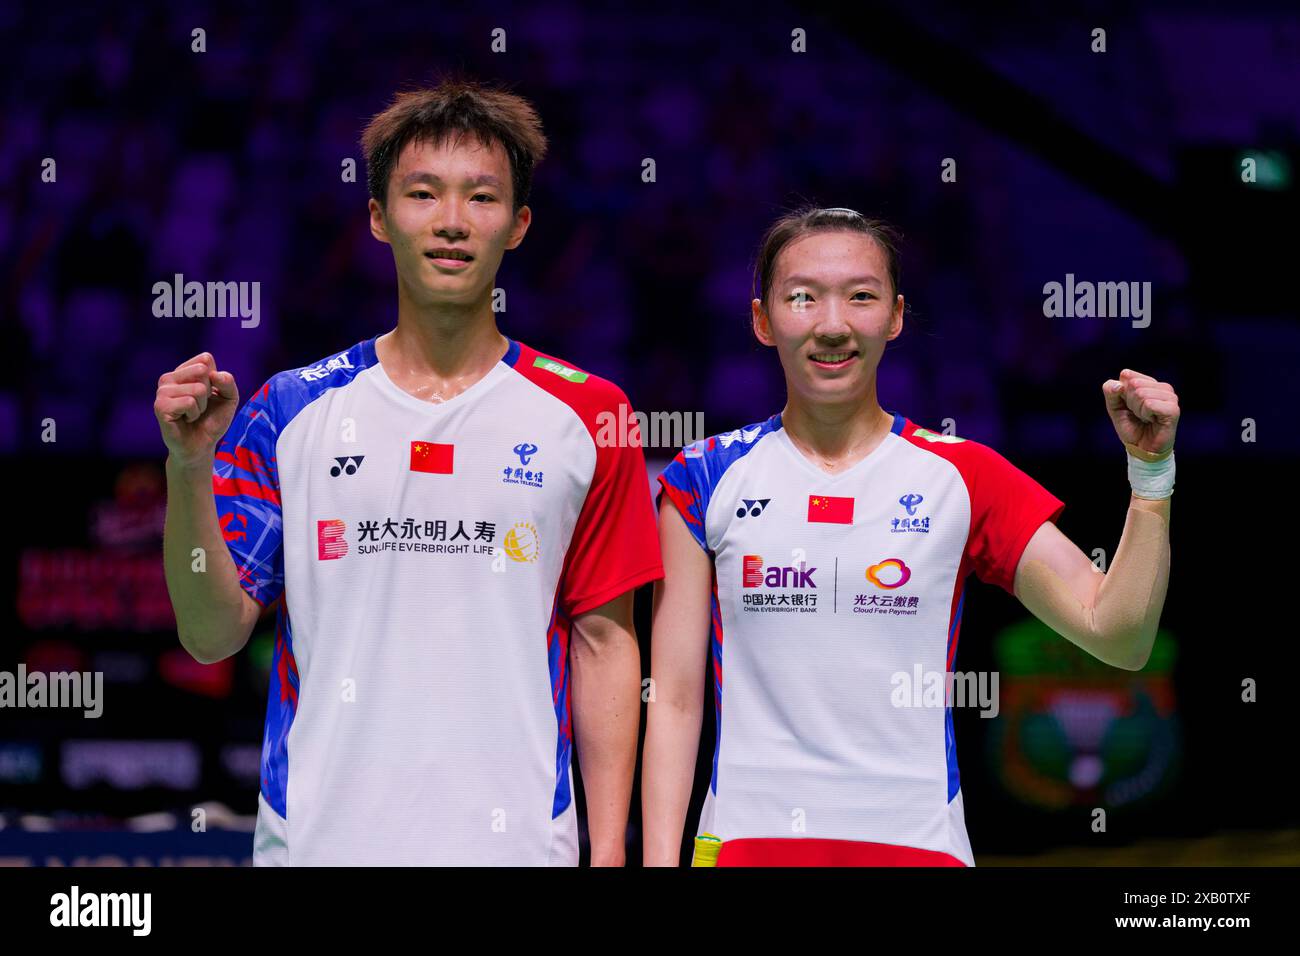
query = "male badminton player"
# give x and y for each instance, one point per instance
(451, 553)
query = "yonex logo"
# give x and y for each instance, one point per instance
(752, 507)
(910, 501)
(347, 465)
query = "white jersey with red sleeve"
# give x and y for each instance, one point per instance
(427, 562)
(837, 603)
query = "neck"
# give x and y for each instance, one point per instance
(446, 341)
(834, 431)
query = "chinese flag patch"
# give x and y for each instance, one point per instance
(431, 457)
(828, 509)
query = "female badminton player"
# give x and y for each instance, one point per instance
(820, 559)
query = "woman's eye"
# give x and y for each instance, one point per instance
(867, 294)
(800, 297)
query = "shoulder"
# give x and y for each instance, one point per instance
(707, 459)
(988, 475)
(287, 393)
(586, 393)
(965, 454)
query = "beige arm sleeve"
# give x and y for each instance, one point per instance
(1120, 626)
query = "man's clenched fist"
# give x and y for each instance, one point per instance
(194, 406)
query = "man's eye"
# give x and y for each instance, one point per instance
(421, 192)
(487, 196)
(800, 297)
(867, 294)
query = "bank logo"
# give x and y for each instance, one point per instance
(777, 590)
(521, 543)
(753, 574)
(753, 507)
(347, 466)
(330, 541)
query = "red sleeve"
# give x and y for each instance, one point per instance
(615, 544)
(1007, 507)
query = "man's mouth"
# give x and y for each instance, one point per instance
(449, 258)
(834, 360)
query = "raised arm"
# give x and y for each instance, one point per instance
(194, 405)
(1114, 616)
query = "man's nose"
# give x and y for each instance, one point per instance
(450, 220)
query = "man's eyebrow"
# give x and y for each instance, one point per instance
(855, 280)
(425, 176)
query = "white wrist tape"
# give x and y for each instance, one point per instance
(1150, 479)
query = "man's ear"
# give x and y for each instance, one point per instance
(761, 324)
(523, 218)
(378, 228)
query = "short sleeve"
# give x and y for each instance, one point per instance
(615, 544)
(246, 484)
(683, 482)
(1007, 507)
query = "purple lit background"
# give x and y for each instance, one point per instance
(1122, 166)
(225, 165)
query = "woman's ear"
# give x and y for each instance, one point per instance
(896, 319)
(761, 324)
